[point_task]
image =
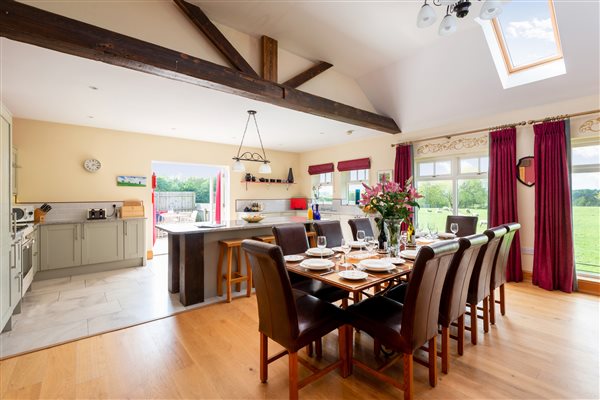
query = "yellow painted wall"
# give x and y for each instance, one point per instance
(51, 157)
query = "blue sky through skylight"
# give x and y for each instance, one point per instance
(528, 31)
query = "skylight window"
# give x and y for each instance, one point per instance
(527, 34)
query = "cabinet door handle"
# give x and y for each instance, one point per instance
(75, 231)
(83, 232)
(125, 226)
(13, 263)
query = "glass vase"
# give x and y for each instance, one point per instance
(392, 228)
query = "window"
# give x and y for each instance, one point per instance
(527, 34)
(354, 183)
(585, 186)
(442, 181)
(323, 187)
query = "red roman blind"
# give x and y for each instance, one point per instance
(353, 165)
(320, 169)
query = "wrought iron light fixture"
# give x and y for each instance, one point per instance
(238, 166)
(426, 17)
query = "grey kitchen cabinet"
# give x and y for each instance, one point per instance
(134, 238)
(13, 172)
(102, 242)
(60, 246)
(16, 274)
(6, 239)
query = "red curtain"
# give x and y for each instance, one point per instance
(553, 259)
(403, 163)
(320, 169)
(353, 165)
(218, 199)
(503, 192)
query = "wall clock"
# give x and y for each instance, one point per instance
(92, 165)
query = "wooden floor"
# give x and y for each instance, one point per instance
(545, 347)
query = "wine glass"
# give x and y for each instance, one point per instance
(430, 227)
(360, 236)
(369, 244)
(434, 231)
(345, 249)
(454, 228)
(321, 243)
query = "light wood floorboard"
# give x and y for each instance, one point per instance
(545, 347)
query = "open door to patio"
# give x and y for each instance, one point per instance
(187, 193)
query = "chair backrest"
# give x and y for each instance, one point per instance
(479, 287)
(291, 238)
(332, 230)
(467, 225)
(360, 224)
(499, 274)
(456, 286)
(422, 301)
(277, 314)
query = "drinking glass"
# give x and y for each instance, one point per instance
(370, 244)
(346, 249)
(360, 236)
(454, 228)
(434, 231)
(321, 243)
(430, 227)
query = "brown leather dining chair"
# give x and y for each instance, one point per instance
(467, 225)
(499, 272)
(360, 224)
(479, 286)
(454, 294)
(290, 317)
(332, 230)
(405, 327)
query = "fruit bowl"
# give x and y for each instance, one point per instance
(253, 218)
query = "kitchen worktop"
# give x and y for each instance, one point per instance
(235, 225)
(90, 221)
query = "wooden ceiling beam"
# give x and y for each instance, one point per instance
(212, 33)
(269, 58)
(307, 75)
(27, 24)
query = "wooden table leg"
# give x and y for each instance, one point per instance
(173, 263)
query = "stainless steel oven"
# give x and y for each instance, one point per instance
(27, 258)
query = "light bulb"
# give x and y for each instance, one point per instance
(448, 25)
(490, 9)
(264, 169)
(426, 16)
(238, 166)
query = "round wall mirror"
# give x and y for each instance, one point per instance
(526, 171)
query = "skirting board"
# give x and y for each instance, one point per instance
(87, 269)
(587, 286)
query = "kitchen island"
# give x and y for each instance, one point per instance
(194, 250)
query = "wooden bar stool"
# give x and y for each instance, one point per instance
(265, 238)
(233, 277)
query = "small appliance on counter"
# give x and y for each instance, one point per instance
(96, 213)
(22, 214)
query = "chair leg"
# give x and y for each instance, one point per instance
(408, 376)
(445, 350)
(492, 306)
(461, 334)
(345, 303)
(264, 357)
(433, 361)
(249, 275)
(220, 272)
(343, 350)
(293, 375)
(319, 348)
(238, 285)
(309, 349)
(228, 280)
(486, 314)
(502, 300)
(474, 323)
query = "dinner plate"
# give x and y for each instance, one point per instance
(353, 275)
(338, 249)
(445, 235)
(376, 265)
(317, 264)
(359, 255)
(409, 254)
(293, 258)
(356, 244)
(315, 251)
(395, 260)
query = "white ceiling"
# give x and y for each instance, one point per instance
(357, 37)
(46, 85)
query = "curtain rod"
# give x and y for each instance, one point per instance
(493, 128)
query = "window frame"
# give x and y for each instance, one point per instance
(511, 69)
(455, 176)
(349, 181)
(322, 180)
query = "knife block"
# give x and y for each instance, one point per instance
(39, 216)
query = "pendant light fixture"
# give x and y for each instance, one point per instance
(426, 17)
(238, 166)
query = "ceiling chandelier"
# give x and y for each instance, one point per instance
(427, 16)
(238, 166)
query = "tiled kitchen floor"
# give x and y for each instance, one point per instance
(59, 310)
